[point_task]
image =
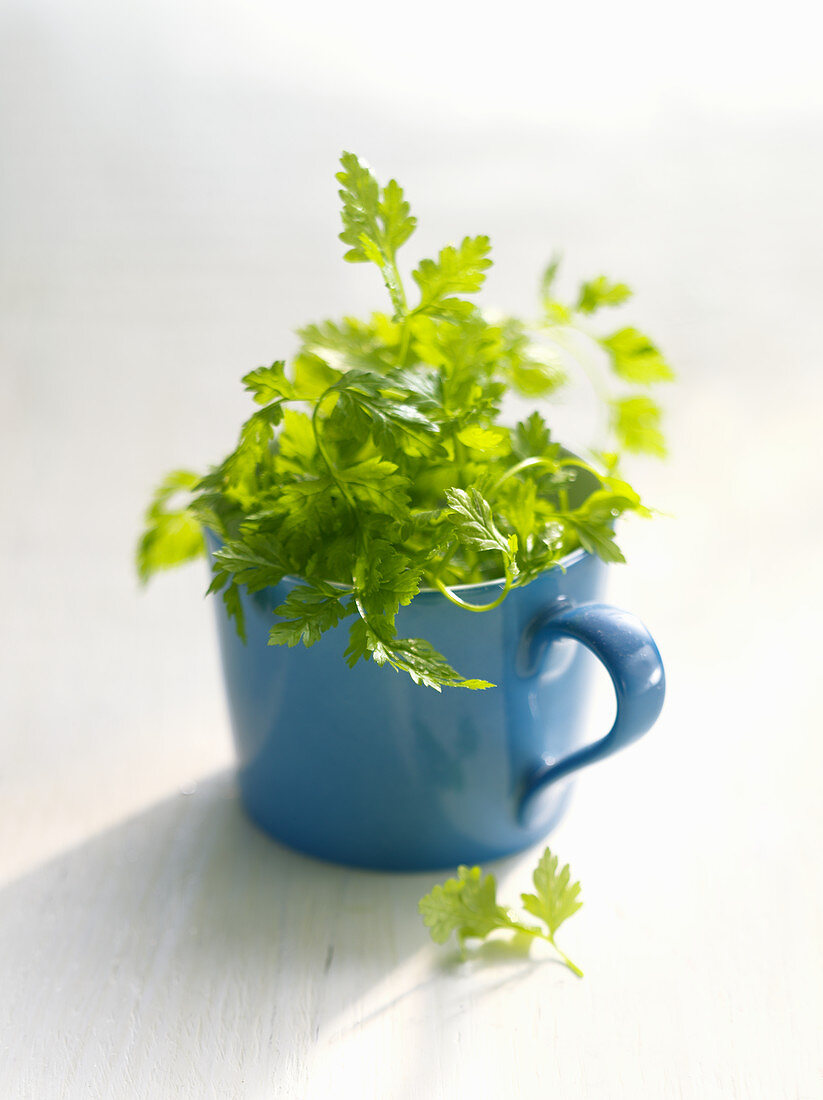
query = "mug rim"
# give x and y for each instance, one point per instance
(568, 562)
(574, 557)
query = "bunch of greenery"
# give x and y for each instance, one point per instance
(376, 463)
(467, 906)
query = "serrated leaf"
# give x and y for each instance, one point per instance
(313, 376)
(365, 405)
(596, 537)
(398, 221)
(635, 358)
(269, 383)
(169, 540)
(375, 223)
(253, 448)
(531, 438)
(255, 562)
(467, 356)
(234, 609)
(296, 444)
(414, 656)
(474, 520)
(385, 579)
(307, 612)
(465, 906)
(171, 535)
(533, 369)
(636, 422)
(489, 441)
(352, 343)
(360, 196)
(533, 378)
(556, 897)
(601, 292)
(457, 270)
(308, 508)
(376, 483)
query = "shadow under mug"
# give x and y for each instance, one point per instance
(363, 767)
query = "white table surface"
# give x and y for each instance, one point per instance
(160, 235)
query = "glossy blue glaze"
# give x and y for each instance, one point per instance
(362, 767)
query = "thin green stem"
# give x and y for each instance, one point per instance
(404, 343)
(549, 938)
(525, 464)
(324, 454)
(400, 289)
(593, 375)
(441, 565)
(553, 463)
(394, 284)
(572, 966)
(455, 599)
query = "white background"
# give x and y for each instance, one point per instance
(167, 217)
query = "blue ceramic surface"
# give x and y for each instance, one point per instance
(360, 766)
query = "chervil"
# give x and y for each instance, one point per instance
(467, 906)
(376, 462)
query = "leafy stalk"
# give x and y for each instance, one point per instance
(378, 460)
(467, 906)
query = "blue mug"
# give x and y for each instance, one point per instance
(362, 767)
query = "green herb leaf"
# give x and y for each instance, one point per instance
(234, 609)
(556, 897)
(254, 561)
(457, 270)
(366, 404)
(313, 376)
(395, 214)
(474, 521)
(467, 906)
(171, 535)
(415, 656)
(379, 459)
(375, 223)
(635, 358)
(602, 292)
(636, 422)
(307, 612)
(489, 441)
(531, 438)
(269, 383)
(360, 196)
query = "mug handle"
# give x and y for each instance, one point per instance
(632, 659)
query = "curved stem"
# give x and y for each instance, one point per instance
(587, 466)
(554, 463)
(455, 599)
(594, 376)
(525, 464)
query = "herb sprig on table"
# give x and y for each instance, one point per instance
(376, 463)
(467, 906)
